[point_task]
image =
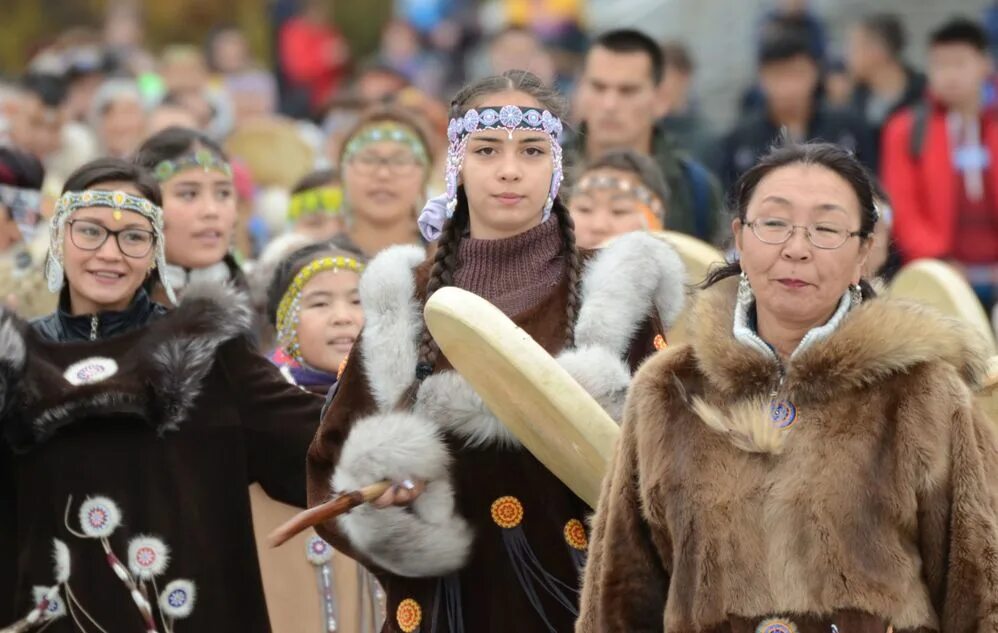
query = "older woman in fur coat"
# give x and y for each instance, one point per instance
(813, 460)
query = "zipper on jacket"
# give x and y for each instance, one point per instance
(94, 324)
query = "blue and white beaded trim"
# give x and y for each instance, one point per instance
(508, 118)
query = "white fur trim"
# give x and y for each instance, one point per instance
(634, 274)
(604, 376)
(448, 399)
(60, 559)
(394, 322)
(11, 342)
(426, 539)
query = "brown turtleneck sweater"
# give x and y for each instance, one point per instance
(514, 273)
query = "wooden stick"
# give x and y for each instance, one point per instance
(328, 510)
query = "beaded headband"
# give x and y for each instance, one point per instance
(387, 131)
(508, 118)
(25, 208)
(648, 203)
(202, 158)
(289, 310)
(599, 181)
(327, 200)
(73, 201)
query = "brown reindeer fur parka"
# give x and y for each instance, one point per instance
(875, 511)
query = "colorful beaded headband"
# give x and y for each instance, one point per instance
(25, 208)
(289, 310)
(202, 158)
(327, 200)
(508, 118)
(599, 181)
(73, 201)
(387, 131)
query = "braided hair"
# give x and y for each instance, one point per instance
(446, 260)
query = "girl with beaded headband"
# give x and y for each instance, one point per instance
(314, 304)
(385, 163)
(199, 207)
(468, 501)
(619, 192)
(156, 410)
(317, 208)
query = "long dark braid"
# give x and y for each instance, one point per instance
(445, 263)
(573, 268)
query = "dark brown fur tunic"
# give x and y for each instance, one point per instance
(175, 437)
(447, 545)
(876, 509)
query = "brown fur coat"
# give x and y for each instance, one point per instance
(877, 508)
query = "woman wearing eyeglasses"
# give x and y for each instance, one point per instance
(137, 431)
(386, 163)
(812, 461)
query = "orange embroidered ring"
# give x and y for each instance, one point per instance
(575, 535)
(409, 615)
(507, 512)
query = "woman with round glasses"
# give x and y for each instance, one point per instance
(386, 163)
(813, 460)
(129, 430)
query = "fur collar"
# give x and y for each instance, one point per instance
(636, 276)
(880, 338)
(159, 369)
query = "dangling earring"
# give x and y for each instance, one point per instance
(548, 206)
(855, 295)
(745, 294)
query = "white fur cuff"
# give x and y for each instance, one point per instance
(427, 539)
(604, 376)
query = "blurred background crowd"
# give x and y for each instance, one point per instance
(671, 101)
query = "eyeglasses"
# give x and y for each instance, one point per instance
(134, 243)
(397, 165)
(825, 235)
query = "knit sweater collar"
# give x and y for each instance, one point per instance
(514, 273)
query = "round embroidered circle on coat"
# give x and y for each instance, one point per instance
(145, 556)
(507, 512)
(90, 370)
(409, 615)
(318, 551)
(776, 625)
(783, 413)
(575, 535)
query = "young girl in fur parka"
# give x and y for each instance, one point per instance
(477, 535)
(813, 460)
(130, 434)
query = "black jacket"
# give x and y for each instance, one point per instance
(62, 326)
(753, 137)
(913, 93)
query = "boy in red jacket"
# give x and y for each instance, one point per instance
(939, 161)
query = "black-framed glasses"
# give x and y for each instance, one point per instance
(825, 235)
(398, 164)
(90, 236)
